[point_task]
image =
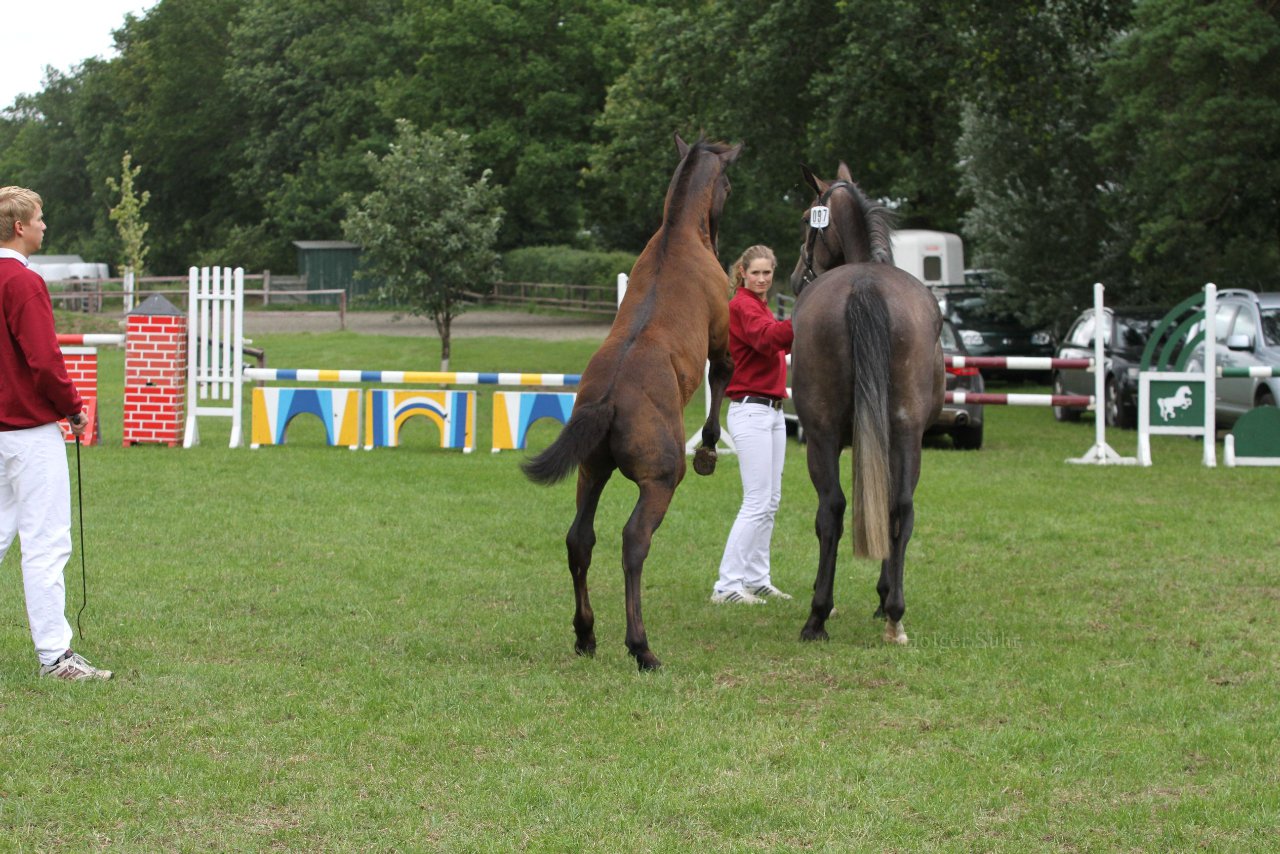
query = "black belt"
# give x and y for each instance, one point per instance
(771, 402)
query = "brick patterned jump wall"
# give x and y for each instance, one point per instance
(82, 368)
(155, 374)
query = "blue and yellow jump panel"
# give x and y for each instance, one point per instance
(337, 408)
(515, 411)
(453, 412)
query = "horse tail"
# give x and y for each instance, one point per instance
(587, 426)
(868, 322)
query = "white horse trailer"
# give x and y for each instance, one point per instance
(934, 257)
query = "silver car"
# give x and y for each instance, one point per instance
(1248, 332)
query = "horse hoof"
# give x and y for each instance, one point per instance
(808, 634)
(704, 460)
(893, 633)
(879, 614)
(647, 661)
(586, 650)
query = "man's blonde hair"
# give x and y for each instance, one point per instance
(17, 204)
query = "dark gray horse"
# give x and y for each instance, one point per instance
(867, 371)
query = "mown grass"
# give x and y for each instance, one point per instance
(320, 649)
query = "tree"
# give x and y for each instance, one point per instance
(1032, 177)
(428, 230)
(127, 215)
(165, 99)
(525, 79)
(1193, 143)
(311, 77)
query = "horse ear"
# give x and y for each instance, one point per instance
(819, 186)
(731, 156)
(843, 172)
(682, 146)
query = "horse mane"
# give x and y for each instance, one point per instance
(879, 223)
(678, 194)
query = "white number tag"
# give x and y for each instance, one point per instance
(819, 216)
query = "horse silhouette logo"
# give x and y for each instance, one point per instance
(1169, 406)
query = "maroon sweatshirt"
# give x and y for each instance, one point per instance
(758, 343)
(34, 387)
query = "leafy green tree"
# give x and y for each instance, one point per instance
(45, 145)
(524, 80)
(165, 99)
(887, 98)
(311, 77)
(427, 228)
(1193, 140)
(1030, 173)
(127, 215)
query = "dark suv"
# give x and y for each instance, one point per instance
(985, 330)
(1124, 334)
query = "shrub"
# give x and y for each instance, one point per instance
(563, 265)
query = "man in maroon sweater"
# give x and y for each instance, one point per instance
(35, 393)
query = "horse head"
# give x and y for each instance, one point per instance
(842, 226)
(700, 185)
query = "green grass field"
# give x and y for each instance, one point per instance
(321, 649)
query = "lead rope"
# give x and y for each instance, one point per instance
(84, 578)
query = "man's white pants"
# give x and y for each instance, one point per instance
(760, 436)
(35, 505)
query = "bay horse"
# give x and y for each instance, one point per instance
(867, 371)
(629, 412)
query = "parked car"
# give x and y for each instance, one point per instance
(962, 422)
(1248, 332)
(988, 331)
(1125, 332)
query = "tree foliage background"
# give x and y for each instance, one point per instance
(427, 229)
(1068, 141)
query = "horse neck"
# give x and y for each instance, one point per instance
(687, 209)
(853, 233)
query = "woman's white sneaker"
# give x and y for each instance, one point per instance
(768, 591)
(736, 597)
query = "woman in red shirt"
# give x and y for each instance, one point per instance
(758, 343)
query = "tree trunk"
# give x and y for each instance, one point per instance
(443, 324)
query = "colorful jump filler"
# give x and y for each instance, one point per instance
(386, 411)
(515, 411)
(337, 408)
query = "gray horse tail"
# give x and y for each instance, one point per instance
(587, 427)
(868, 319)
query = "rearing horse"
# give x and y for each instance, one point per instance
(867, 370)
(629, 412)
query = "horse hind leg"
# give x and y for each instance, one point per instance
(902, 519)
(823, 454)
(579, 542)
(637, 536)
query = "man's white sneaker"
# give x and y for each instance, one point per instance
(768, 591)
(74, 668)
(736, 597)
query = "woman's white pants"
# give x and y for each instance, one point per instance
(35, 506)
(760, 436)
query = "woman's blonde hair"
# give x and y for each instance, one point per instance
(17, 204)
(751, 253)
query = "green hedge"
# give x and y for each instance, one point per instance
(564, 265)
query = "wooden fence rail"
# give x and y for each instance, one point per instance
(591, 299)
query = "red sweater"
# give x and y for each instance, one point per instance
(34, 387)
(758, 343)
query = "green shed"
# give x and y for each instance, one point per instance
(331, 264)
